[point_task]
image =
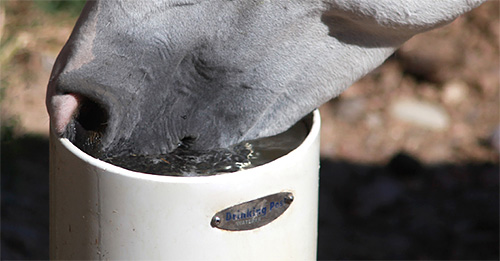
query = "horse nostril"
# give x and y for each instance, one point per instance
(92, 116)
(89, 126)
(186, 142)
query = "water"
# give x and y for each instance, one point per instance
(245, 155)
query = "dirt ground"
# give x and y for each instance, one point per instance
(392, 187)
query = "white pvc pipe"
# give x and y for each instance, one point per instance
(101, 211)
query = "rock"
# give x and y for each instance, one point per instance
(351, 109)
(421, 113)
(374, 120)
(454, 92)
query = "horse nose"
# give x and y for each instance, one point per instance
(81, 119)
(89, 114)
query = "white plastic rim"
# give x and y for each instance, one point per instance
(101, 211)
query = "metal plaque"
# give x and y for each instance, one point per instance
(252, 214)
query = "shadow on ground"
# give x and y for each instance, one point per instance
(404, 210)
(25, 197)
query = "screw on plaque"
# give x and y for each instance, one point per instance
(289, 199)
(215, 221)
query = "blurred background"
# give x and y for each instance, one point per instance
(410, 163)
